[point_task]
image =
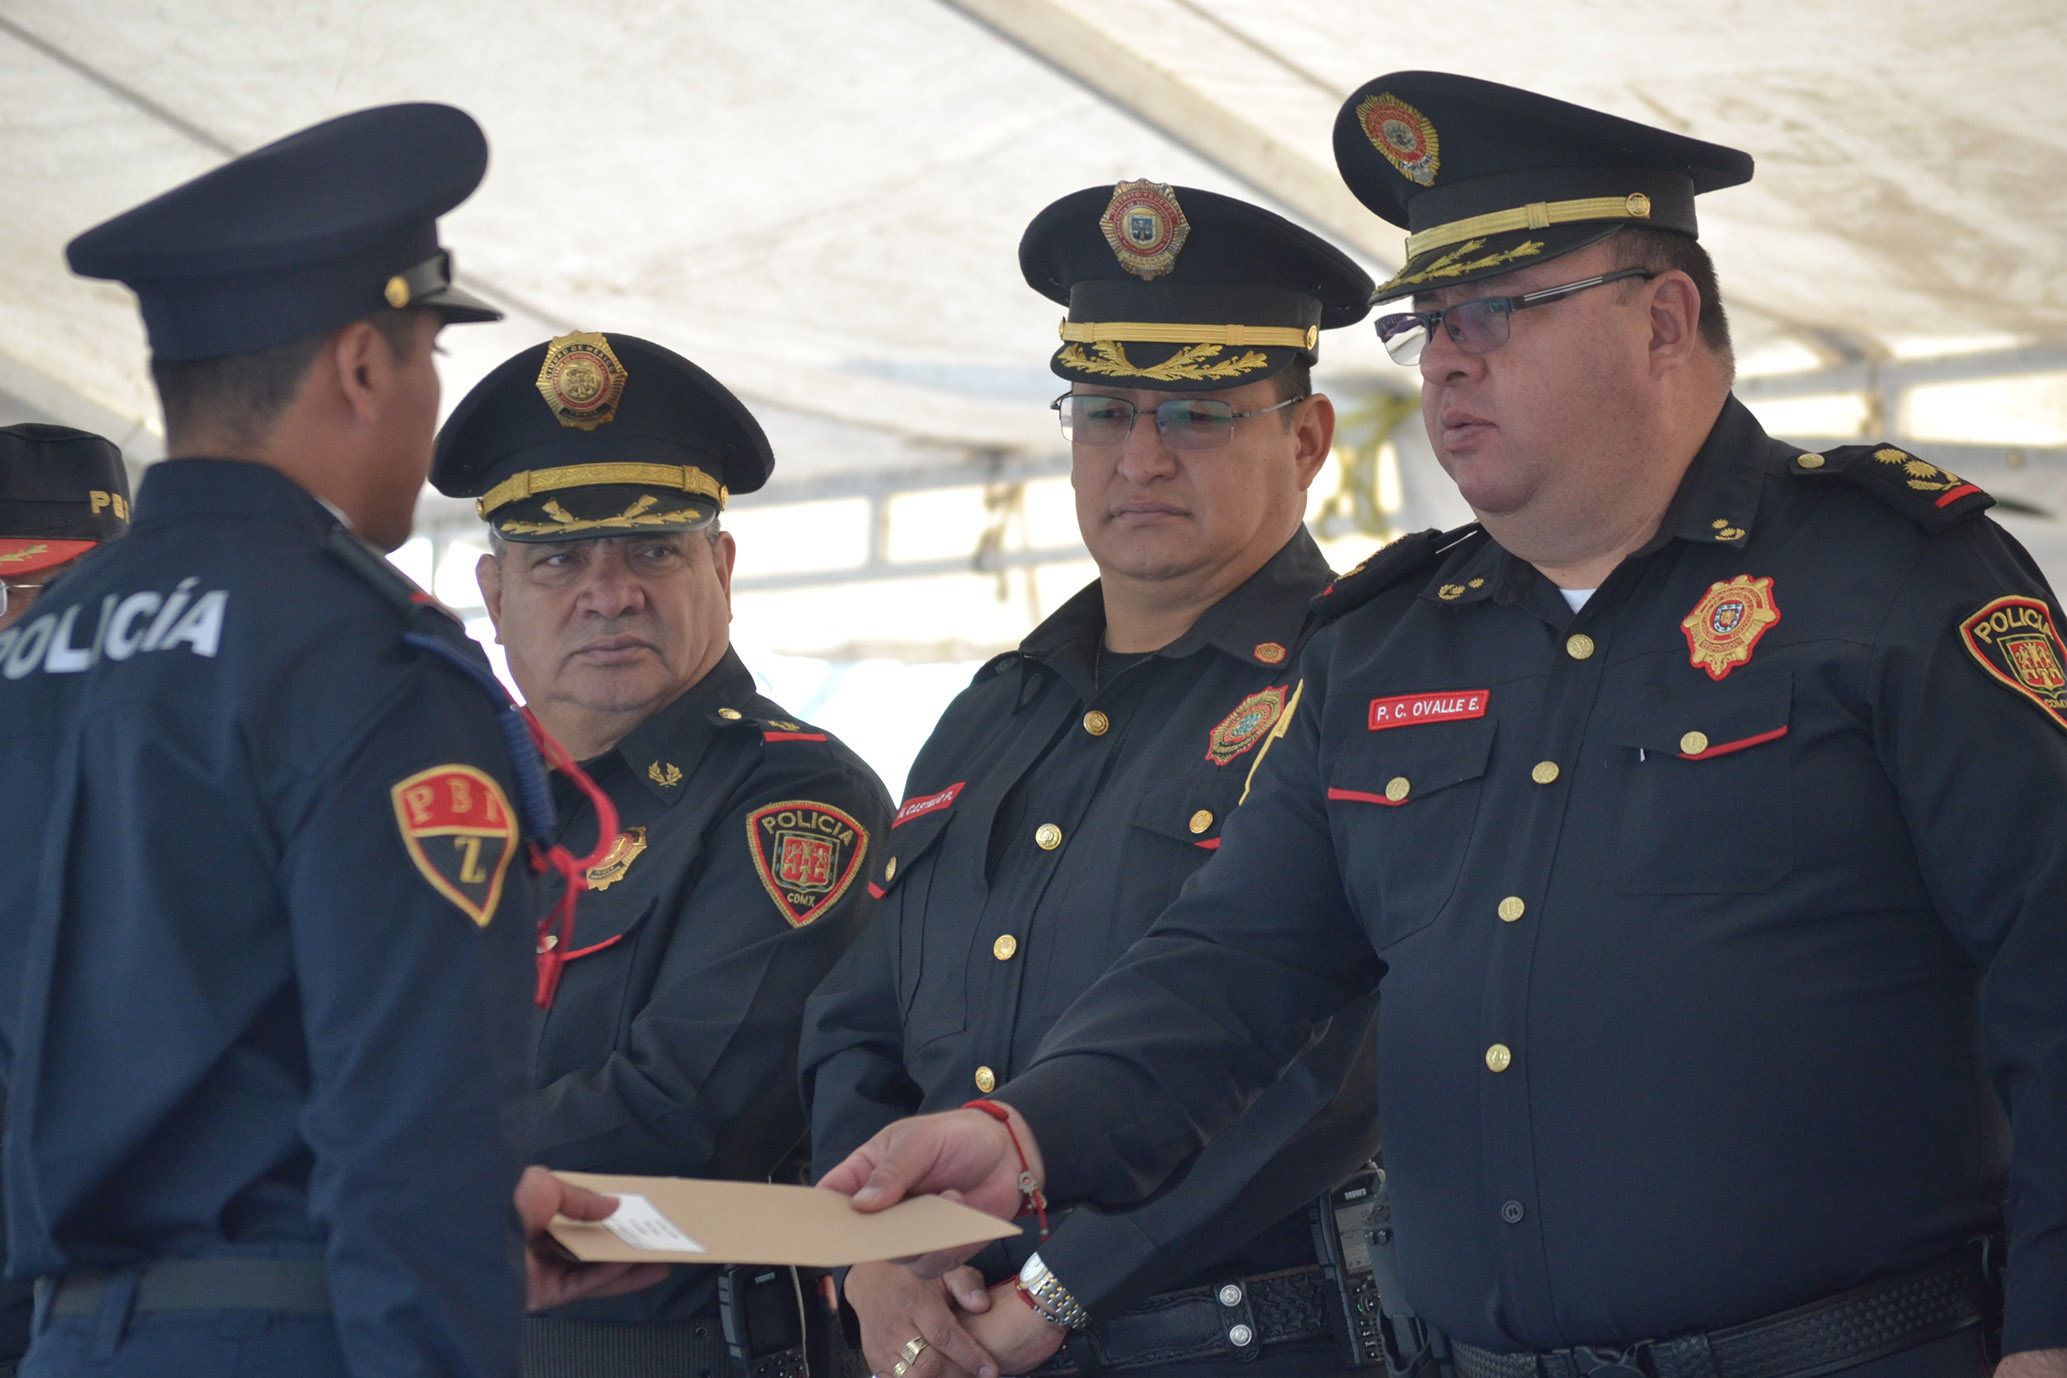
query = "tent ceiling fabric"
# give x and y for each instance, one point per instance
(821, 202)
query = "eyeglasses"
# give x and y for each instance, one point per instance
(1184, 423)
(1478, 326)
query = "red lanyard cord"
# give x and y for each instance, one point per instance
(556, 930)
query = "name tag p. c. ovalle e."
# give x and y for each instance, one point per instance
(1409, 710)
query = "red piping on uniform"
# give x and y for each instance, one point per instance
(1211, 844)
(792, 736)
(1362, 798)
(876, 891)
(1956, 494)
(1725, 748)
(592, 947)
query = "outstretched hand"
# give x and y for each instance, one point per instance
(554, 1277)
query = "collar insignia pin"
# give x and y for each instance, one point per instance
(666, 777)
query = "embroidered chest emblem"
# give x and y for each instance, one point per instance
(2014, 640)
(1727, 623)
(1250, 722)
(618, 859)
(806, 854)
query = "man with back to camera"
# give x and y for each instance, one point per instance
(272, 918)
(1070, 791)
(601, 464)
(1722, 1011)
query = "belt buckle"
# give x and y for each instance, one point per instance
(1606, 1361)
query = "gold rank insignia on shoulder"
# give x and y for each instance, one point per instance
(618, 859)
(2015, 641)
(806, 854)
(1727, 623)
(1146, 228)
(1250, 722)
(581, 380)
(459, 831)
(1403, 134)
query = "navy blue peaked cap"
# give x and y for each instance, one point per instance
(1490, 178)
(294, 239)
(590, 435)
(61, 492)
(1178, 289)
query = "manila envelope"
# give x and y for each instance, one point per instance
(686, 1220)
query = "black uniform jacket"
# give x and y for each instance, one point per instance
(1045, 826)
(672, 1045)
(269, 923)
(1704, 974)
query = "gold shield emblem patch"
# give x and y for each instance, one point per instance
(806, 853)
(581, 380)
(1403, 134)
(1249, 724)
(1146, 228)
(618, 860)
(1727, 623)
(2015, 641)
(458, 829)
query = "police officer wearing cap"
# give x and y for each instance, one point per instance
(1068, 793)
(1722, 996)
(602, 464)
(62, 492)
(268, 908)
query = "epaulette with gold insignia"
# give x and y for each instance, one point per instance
(1931, 497)
(1399, 560)
(771, 729)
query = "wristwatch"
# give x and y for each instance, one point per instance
(1050, 1300)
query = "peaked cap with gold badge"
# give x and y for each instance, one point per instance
(592, 435)
(1180, 290)
(1488, 178)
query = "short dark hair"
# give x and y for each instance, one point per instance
(1663, 251)
(243, 394)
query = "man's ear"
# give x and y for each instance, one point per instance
(1675, 318)
(722, 556)
(1315, 434)
(488, 574)
(360, 359)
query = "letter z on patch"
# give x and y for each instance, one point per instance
(806, 854)
(2014, 640)
(457, 827)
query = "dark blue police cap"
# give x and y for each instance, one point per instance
(1488, 178)
(591, 435)
(62, 492)
(319, 229)
(1176, 289)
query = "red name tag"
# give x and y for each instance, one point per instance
(926, 803)
(1409, 709)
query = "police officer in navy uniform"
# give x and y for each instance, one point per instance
(602, 464)
(1678, 796)
(268, 904)
(1070, 791)
(62, 493)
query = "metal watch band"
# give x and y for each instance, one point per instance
(1050, 1297)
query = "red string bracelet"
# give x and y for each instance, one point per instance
(1030, 1198)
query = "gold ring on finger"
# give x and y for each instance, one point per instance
(913, 1348)
(900, 1368)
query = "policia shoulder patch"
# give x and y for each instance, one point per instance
(2015, 641)
(806, 854)
(457, 827)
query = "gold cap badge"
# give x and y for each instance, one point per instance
(1403, 134)
(581, 380)
(1146, 228)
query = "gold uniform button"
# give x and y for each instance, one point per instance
(1096, 723)
(986, 1080)
(1694, 743)
(729, 714)
(1578, 645)
(1396, 788)
(1047, 837)
(1810, 460)
(1498, 1059)
(1004, 947)
(1544, 772)
(1202, 820)
(1511, 909)
(890, 869)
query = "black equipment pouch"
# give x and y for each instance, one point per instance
(762, 1311)
(1352, 1235)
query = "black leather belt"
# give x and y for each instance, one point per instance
(1234, 1319)
(1855, 1327)
(294, 1285)
(556, 1348)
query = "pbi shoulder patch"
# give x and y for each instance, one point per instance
(1250, 722)
(2015, 641)
(1931, 497)
(806, 854)
(1398, 561)
(458, 828)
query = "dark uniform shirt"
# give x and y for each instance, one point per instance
(671, 1047)
(1696, 981)
(241, 1018)
(1047, 822)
